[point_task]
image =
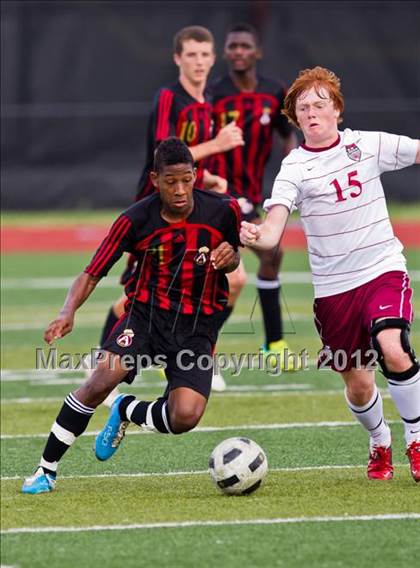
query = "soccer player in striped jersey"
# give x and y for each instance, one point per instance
(362, 290)
(185, 240)
(253, 102)
(184, 110)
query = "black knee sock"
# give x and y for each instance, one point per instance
(269, 293)
(71, 421)
(110, 321)
(153, 416)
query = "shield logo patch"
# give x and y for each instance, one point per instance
(201, 256)
(125, 339)
(353, 152)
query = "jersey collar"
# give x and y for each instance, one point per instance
(309, 149)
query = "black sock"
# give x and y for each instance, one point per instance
(110, 321)
(269, 293)
(72, 420)
(123, 406)
(152, 416)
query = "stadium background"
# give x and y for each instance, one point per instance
(78, 80)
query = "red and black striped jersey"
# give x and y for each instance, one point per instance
(258, 114)
(173, 270)
(175, 113)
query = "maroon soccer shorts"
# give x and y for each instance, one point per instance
(344, 320)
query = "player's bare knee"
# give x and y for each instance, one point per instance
(185, 419)
(236, 285)
(359, 381)
(395, 359)
(359, 391)
(241, 279)
(97, 388)
(237, 280)
(268, 271)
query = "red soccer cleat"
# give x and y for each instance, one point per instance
(380, 463)
(413, 454)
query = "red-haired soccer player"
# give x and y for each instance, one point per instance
(362, 289)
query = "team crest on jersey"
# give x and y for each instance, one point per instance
(201, 256)
(353, 152)
(265, 118)
(125, 339)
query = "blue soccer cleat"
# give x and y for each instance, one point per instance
(110, 437)
(40, 482)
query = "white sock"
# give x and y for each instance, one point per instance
(52, 466)
(406, 396)
(371, 417)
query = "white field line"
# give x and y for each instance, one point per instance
(199, 472)
(59, 283)
(188, 524)
(98, 319)
(232, 394)
(38, 378)
(205, 429)
(238, 389)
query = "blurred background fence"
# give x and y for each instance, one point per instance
(78, 79)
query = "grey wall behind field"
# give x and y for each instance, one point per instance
(78, 79)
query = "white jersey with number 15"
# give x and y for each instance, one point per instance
(340, 198)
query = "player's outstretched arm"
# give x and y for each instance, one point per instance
(227, 138)
(267, 235)
(418, 153)
(79, 291)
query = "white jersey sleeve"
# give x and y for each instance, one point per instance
(395, 152)
(286, 185)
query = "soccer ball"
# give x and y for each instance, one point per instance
(238, 466)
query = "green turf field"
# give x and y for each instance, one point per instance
(153, 503)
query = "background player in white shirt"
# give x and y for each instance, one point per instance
(362, 290)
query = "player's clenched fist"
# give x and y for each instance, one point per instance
(249, 233)
(229, 137)
(58, 328)
(224, 257)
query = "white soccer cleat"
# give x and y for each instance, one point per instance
(218, 383)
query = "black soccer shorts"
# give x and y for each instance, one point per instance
(183, 348)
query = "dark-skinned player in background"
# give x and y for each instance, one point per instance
(253, 102)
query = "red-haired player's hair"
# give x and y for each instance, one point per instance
(318, 77)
